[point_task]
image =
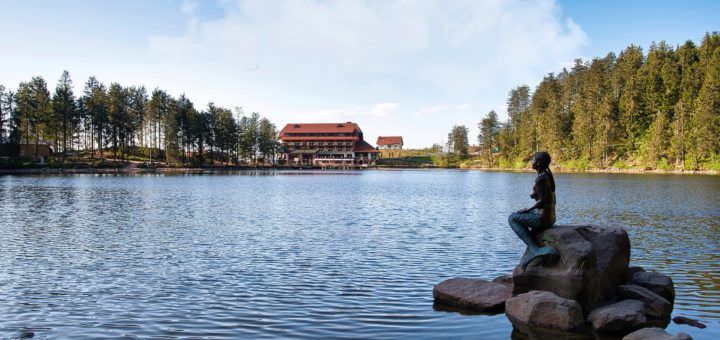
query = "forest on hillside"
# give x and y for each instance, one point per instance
(657, 110)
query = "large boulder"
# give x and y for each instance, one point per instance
(655, 333)
(593, 262)
(620, 317)
(541, 314)
(472, 294)
(657, 308)
(656, 282)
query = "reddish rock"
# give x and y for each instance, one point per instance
(473, 294)
(542, 314)
(593, 262)
(655, 333)
(658, 283)
(620, 317)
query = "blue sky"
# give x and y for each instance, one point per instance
(411, 68)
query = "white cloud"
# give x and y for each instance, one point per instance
(324, 60)
(341, 114)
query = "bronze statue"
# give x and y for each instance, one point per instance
(541, 215)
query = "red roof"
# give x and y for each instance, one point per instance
(363, 146)
(389, 140)
(348, 127)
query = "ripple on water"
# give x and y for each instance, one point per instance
(289, 255)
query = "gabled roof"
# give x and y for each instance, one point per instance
(389, 140)
(347, 127)
(363, 146)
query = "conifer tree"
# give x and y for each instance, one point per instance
(488, 137)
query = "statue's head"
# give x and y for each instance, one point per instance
(541, 160)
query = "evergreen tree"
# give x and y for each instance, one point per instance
(689, 87)
(707, 111)
(137, 106)
(38, 112)
(118, 118)
(268, 139)
(4, 113)
(488, 137)
(631, 112)
(95, 112)
(170, 121)
(458, 142)
(157, 108)
(518, 110)
(64, 108)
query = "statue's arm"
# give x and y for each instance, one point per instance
(539, 193)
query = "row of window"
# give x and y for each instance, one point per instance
(318, 134)
(298, 144)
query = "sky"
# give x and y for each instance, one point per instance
(410, 68)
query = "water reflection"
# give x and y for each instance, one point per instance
(304, 254)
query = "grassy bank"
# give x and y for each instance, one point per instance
(583, 166)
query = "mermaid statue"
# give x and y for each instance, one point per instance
(540, 216)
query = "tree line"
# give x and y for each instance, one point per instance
(655, 110)
(127, 121)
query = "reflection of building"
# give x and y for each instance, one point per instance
(390, 142)
(326, 145)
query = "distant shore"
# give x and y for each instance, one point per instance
(219, 169)
(606, 171)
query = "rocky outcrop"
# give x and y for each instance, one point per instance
(589, 291)
(655, 333)
(543, 314)
(593, 262)
(472, 294)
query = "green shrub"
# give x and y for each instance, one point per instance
(664, 165)
(713, 163)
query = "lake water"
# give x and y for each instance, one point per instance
(314, 254)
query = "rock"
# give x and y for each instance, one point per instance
(657, 308)
(681, 320)
(505, 279)
(634, 269)
(619, 317)
(658, 283)
(473, 294)
(593, 262)
(541, 314)
(655, 333)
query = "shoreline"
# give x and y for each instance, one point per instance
(608, 171)
(209, 170)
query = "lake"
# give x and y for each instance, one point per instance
(315, 254)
